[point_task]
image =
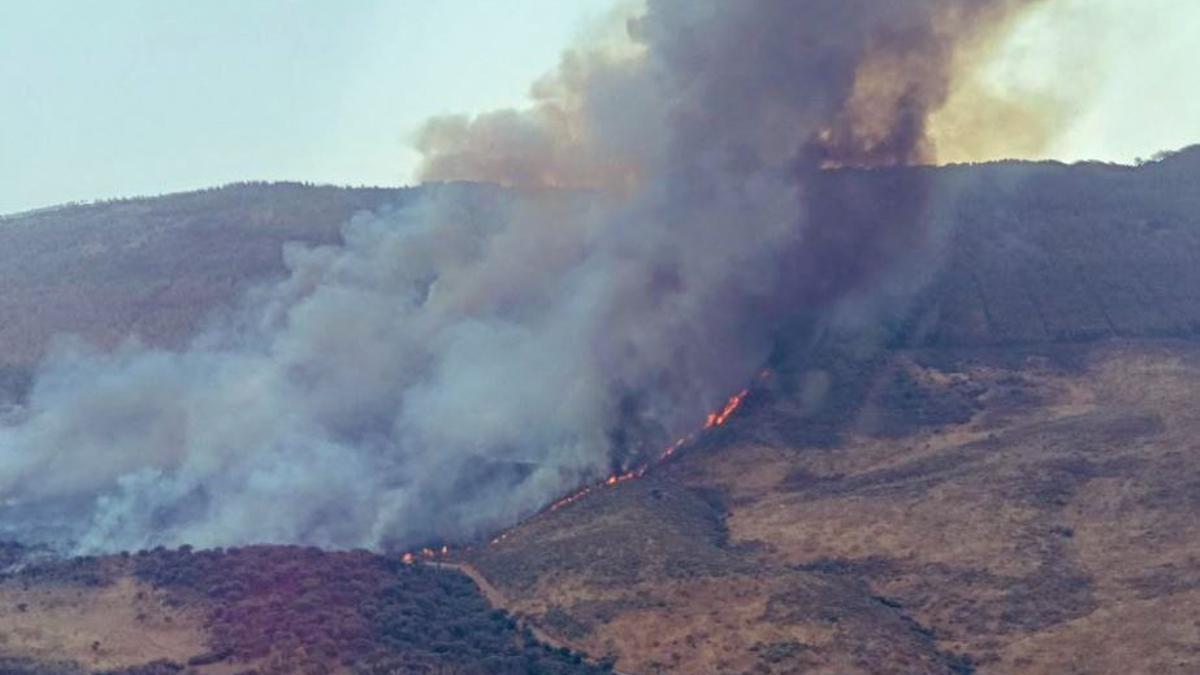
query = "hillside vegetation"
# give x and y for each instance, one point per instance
(1051, 531)
(154, 267)
(1052, 253)
(1023, 251)
(1000, 476)
(264, 609)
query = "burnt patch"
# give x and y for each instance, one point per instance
(863, 623)
(582, 618)
(1054, 594)
(1174, 484)
(1052, 484)
(875, 567)
(34, 567)
(965, 604)
(1058, 359)
(22, 666)
(905, 404)
(159, 667)
(815, 393)
(565, 624)
(910, 477)
(786, 656)
(801, 479)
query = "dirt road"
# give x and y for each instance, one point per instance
(497, 599)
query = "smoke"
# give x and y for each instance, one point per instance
(1069, 82)
(458, 363)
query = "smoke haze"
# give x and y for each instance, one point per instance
(457, 364)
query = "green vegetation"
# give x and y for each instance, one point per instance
(298, 609)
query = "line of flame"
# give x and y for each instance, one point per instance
(424, 554)
(712, 420)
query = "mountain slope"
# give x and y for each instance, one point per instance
(262, 609)
(1028, 538)
(154, 267)
(997, 475)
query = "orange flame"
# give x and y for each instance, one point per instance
(713, 419)
(716, 419)
(426, 553)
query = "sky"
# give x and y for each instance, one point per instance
(142, 97)
(136, 97)
(1128, 72)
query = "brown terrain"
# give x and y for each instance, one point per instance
(1004, 478)
(120, 625)
(1053, 531)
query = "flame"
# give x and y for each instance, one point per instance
(713, 419)
(716, 419)
(676, 446)
(427, 553)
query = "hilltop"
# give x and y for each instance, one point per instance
(155, 267)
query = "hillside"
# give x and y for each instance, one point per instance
(1047, 252)
(1025, 252)
(998, 481)
(1049, 529)
(258, 610)
(154, 267)
(998, 476)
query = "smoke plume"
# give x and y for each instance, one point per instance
(458, 363)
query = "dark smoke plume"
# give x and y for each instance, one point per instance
(455, 365)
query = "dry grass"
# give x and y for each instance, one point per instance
(1150, 636)
(271, 610)
(117, 626)
(1056, 531)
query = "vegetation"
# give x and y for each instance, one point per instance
(287, 609)
(153, 267)
(1045, 252)
(1067, 492)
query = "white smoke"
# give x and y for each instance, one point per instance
(457, 363)
(445, 371)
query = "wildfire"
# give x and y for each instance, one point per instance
(712, 420)
(676, 446)
(572, 498)
(425, 554)
(616, 480)
(716, 419)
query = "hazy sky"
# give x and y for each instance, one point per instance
(1130, 69)
(129, 97)
(126, 97)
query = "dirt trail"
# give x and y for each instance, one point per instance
(497, 599)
